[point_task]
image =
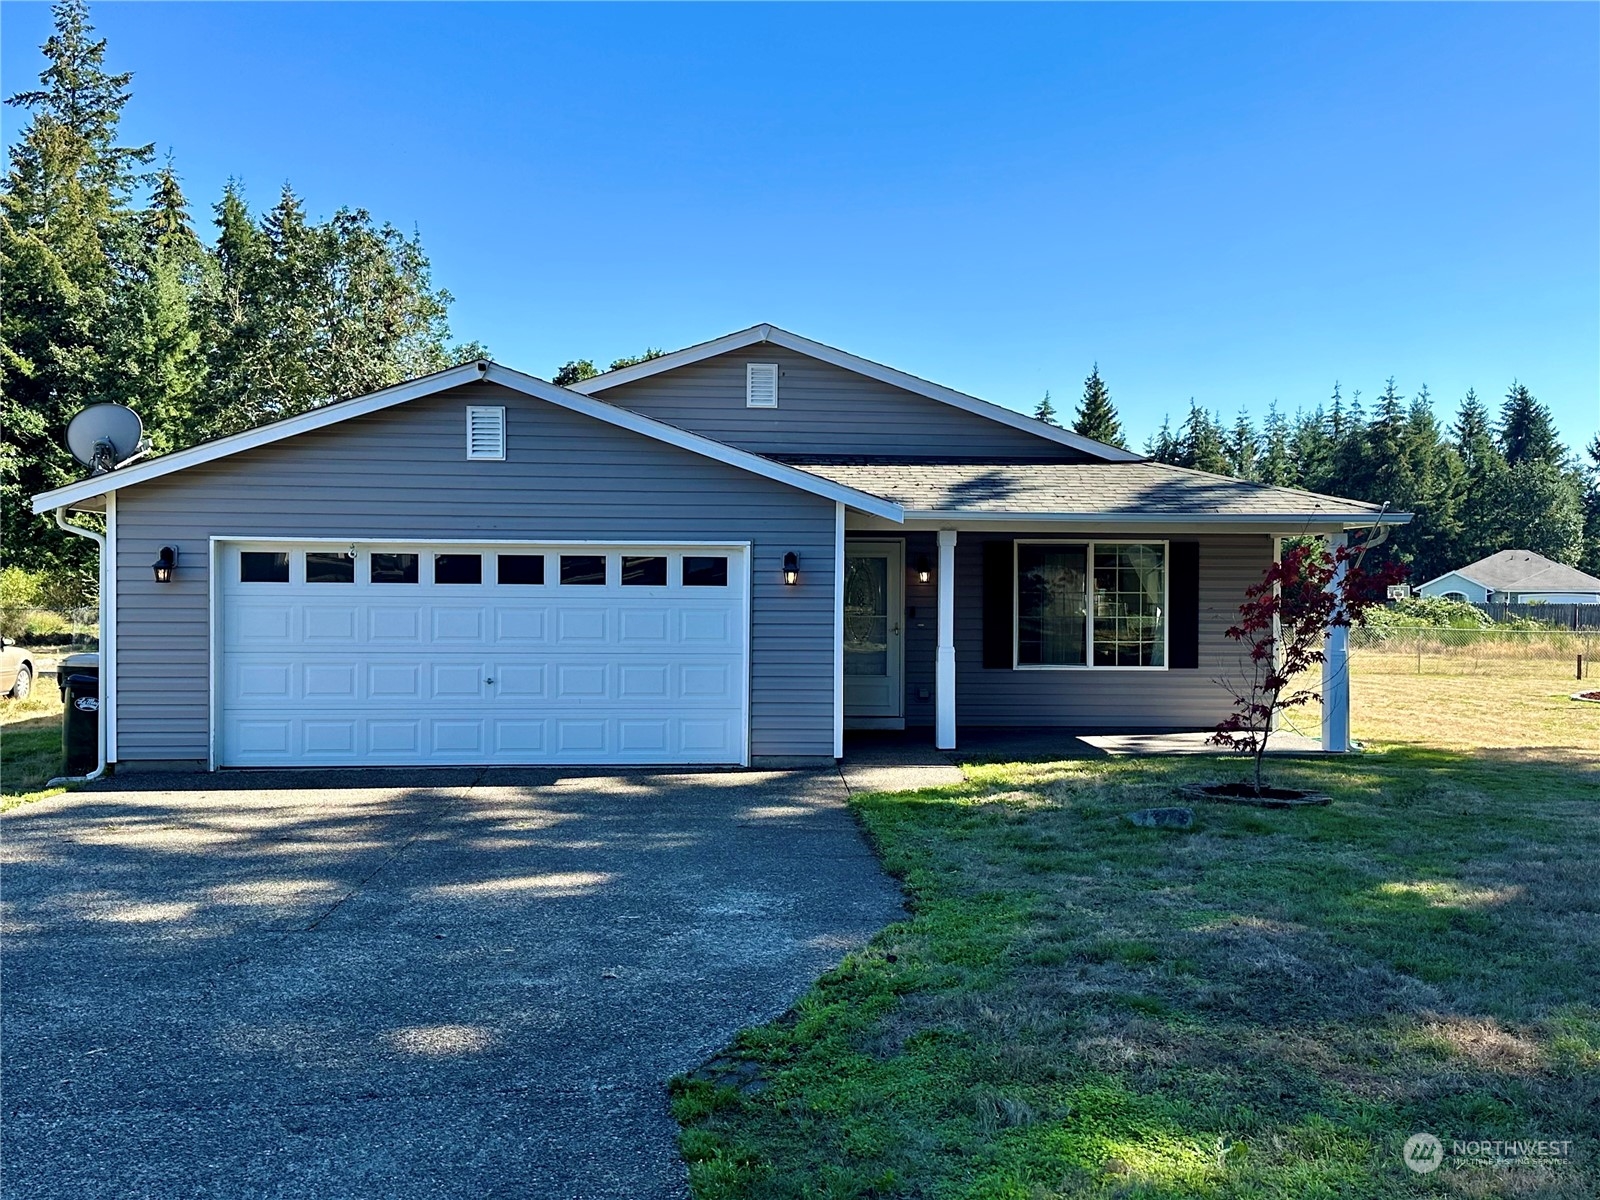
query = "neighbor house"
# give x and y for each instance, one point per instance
(1515, 577)
(731, 554)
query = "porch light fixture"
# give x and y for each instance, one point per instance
(165, 561)
(924, 569)
(791, 568)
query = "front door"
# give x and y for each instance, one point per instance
(874, 609)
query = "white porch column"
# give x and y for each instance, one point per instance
(944, 696)
(1336, 670)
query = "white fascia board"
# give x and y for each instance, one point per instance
(317, 418)
(1156, 519)
(343, 410)
(861, 366)
(695, 443)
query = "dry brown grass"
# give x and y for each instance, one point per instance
(1466, 703)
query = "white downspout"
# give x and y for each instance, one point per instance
(100, 712)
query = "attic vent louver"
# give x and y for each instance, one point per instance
(486, 431)
(761, 385)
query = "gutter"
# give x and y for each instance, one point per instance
(99, 771)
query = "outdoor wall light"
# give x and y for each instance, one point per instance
(924, 569)
(791, 568)
(165, 561)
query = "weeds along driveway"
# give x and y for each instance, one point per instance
(285, 985)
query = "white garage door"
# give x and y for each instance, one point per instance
(427, 653)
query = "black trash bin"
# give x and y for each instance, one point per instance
(80, 723)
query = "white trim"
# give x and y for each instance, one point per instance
(750, 370)
(214, 596)
(1088, 663)
(944, 697)
(489, 372)
(838, 631)
(108, 637)
(1277, 521)
(758, 334)
(474, 411)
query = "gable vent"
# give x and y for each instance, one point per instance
(486, 431)
(761, 385)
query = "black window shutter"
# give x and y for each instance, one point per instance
(998, 569)
(1183, 603)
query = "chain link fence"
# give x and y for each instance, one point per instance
(1549, 654)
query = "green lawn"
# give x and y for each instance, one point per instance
(1267, 1005)
(30, 745)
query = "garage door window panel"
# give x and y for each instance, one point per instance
(394, 568)
(330, 568)
(705, 570)
(519, 569)
(583, 570)
(457, 568)
(644, 571)
(263, 566)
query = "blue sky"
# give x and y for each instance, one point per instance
(1233, 203)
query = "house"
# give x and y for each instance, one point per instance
(730, 554)
(1515, 577)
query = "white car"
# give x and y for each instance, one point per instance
(16, 670)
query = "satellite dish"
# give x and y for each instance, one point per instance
(104, 435)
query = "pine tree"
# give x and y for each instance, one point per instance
(1097, 416)
(1591, 508)
(1311, 444)
(1242, 448)
(1546, 505)
(69, 241)
(1046, 411)
(1528, 430)
(1162, 446)
(1277, 465)
(1484, 528)
(1200, 442)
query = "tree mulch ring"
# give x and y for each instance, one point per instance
(1268, 797)
(1592, 697)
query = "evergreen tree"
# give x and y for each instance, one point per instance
(1591, 508)
(69, 245)
(1242, 448)
(1528, 430)
(1311, 445)
(1200, 442)
(1046, 411)
(1162, 446)
(1277, 465)
(1546, 507)
(1097, 416)
(1480, 508)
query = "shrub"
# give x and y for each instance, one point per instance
(1431, 612)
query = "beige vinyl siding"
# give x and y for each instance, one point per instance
(822, 409)
(1095, 696)
(403, 473)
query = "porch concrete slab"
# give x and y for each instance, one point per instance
(1191, 742)
(896, 762)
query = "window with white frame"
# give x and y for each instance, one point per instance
(1091, 604)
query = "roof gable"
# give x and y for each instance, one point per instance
(772, 335)
(429, 385)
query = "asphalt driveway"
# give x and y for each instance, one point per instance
(401, 984)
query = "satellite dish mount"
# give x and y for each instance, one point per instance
(104, 436)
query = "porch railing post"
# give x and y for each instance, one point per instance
(1336, 668)
(944, 717)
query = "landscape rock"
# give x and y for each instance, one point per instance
(1162, 818)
